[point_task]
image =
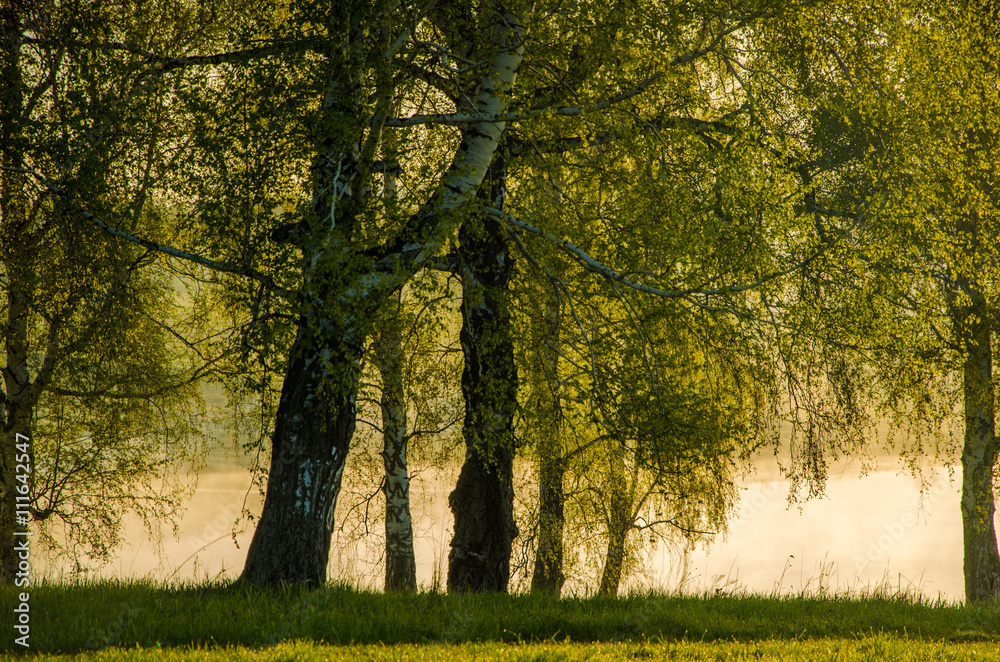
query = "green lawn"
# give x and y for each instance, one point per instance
(143, 621)
(875, 648)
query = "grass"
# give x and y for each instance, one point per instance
(139, 620)
(875, 648)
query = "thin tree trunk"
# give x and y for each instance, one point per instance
(18, 248)
(619, 521)
(982, 561)
(548, 575)
(20, 397)
(614, 562)
(400, 563)
(12, 215)
(483, 499)
(15, 422)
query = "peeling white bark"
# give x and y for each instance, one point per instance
(479, 142)
(341, 315)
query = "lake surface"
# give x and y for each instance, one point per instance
(866, 532)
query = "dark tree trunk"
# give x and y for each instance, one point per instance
(614, 562)
(400, 563)
(982, 562)
(312, 434)
(548, 576)
(12, 216)
(619, 521)
(483, 499)
(12, 530)
(316, 414)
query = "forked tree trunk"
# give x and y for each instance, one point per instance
(400, 563)
(21, 390)
(982, 562)
(548, 575)
(483, 499)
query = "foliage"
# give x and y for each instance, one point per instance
(99, 369)
(743, 213)
(681, 191)
(896, 172)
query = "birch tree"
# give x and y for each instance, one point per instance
(100, 364)
(902, 174)
(344, 274)
(419, 406)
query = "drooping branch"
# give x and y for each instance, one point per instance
(585, 260)
(215, 265)
(161, 64)
(519, 146)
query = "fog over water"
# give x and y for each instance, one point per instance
(865, 532)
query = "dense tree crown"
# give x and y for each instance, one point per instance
(657, 235)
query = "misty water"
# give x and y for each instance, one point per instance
(866, 532)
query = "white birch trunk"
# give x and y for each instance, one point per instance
(400, 562)
(979, 454)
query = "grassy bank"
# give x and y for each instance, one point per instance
(91, 617)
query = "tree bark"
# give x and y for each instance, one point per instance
(614, 562)
(548, 575)
(483, 499)
(316, 413)
(400, 563)
(982, 561)
(16, 411)
(313, 430)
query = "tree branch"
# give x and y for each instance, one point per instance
(458, 119)
(590, 264)
(169, 63)
(267, 281)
